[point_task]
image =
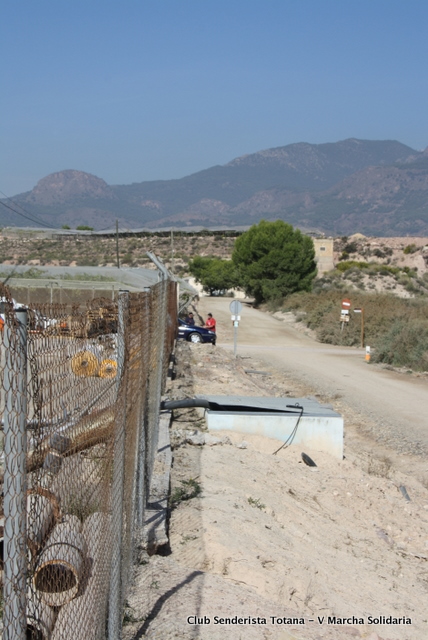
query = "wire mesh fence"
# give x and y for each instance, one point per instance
(80, 389)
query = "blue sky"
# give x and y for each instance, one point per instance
(157, 89)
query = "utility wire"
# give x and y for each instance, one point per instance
(296, 407)
(13, 201)
(27, 217)
(24, 216)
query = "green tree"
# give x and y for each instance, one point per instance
(215, 275)
(84, 227)
(274, 260)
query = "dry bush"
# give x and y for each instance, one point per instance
(380, 467)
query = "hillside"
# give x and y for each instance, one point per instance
(402, 253)
(374, 187)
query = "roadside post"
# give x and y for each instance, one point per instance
(361, 310)
(235, 309)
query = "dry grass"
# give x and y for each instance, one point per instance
(380, 467)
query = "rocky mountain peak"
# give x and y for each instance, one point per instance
(65, 185)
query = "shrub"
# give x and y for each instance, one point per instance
(351, 247)
(379, 253)
(411, 248)
(405, 345)
(397, 328)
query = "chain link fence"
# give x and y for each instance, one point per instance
(80, 389)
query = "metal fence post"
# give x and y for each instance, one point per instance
(116, 587)
(158, 380)
(142, 444)
(14, 484)
(164, 312)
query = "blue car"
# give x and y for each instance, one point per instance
(192, 333)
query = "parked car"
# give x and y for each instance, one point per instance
(192, 333)
(3, 303)
(35, 320)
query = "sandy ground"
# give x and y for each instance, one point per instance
(297, 552)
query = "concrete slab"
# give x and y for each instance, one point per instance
(319, 428)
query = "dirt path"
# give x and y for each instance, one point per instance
(298, 553)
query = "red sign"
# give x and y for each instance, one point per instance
(346, 303)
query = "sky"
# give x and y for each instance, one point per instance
(136, 90)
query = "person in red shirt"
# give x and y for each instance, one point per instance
(210, 323)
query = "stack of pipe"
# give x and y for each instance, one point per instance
(42, 513)
(61, 563)
(77, 619)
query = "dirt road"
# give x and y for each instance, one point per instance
(393, 403)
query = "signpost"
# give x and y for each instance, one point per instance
(344, 314)
(235, 309)
(344, 317)
(361, 310)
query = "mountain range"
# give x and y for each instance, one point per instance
(367, 186)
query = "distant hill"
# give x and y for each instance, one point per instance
(374, 187)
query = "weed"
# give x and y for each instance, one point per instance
(187, 538)
(275, 304)
(424, 481)
(380, 467)
(255, 502)
(190, 489)
(81, 506)
(129, 617)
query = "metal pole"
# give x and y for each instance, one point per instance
(161, 329)
(235, 338)
(362, 327)
(156, 375)
(116, 587)
(15, 484)
(140, 475)
(117, 244)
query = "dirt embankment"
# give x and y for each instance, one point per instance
(337, 548)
